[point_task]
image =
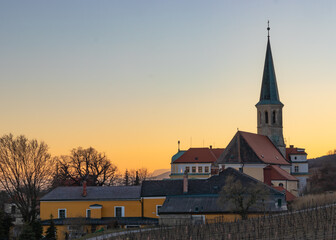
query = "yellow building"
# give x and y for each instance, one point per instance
(80, 210)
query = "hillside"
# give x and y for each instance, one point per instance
(320, 161)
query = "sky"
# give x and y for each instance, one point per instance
(131, 78)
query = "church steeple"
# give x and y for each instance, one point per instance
(269, 89)
(269, 106)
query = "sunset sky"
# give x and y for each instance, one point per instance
(131, 78)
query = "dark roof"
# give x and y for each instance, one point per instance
(251, 148)
(103, 221)
(207, 204)
(198, 155)
(208, 186)
(269, 89)
(93, 193)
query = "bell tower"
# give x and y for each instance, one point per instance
(269, 107)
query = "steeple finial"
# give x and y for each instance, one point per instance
(268, 29)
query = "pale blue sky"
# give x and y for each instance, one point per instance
(137, 74)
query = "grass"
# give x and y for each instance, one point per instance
(313, 200)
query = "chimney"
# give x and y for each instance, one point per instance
(84, 189)
(185, 182)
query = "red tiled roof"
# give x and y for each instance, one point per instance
(277, 173)
(264, 148)
(200, 155)
(295, 151)
(289, 196)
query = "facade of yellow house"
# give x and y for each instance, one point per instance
(152, 205)
(80, 210)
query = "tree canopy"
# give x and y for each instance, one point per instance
(85, 164)
(25, 167)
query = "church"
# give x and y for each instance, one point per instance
(264, 155)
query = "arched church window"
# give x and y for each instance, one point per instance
(266, 117)
(259, 117)
(273, 117)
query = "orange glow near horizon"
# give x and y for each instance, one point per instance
(131, 79)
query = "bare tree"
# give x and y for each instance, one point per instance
(85, 164)
(241, 197)
(25, 169)
(141, 173)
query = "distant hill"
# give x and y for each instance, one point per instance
(161, 176)
(320, 161)
(159, 172)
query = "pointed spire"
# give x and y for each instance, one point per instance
(269, 89)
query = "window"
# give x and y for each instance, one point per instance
(296, 169)
(206, 169)
(193, 169)
(259, 117)
(119, 211)
(200, 169)
(266, 117)
(158, 209)
(13, 209)
(280, 184)
(88, 213)
(187, 169)
(273, 117)
(279, 202)
(61, 213)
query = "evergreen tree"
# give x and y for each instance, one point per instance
(137, 179)
(126, 178)
(27, 233)
(37, 229)
(51, 231)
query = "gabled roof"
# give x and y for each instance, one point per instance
(93, 193)
(198, 155)
(251, 148)
(276, 173)
(203, 194)
(208, 186)
(269, 89)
